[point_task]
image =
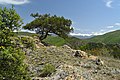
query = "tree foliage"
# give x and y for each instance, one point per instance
(12, 66)
(45, 24)
(9, 21)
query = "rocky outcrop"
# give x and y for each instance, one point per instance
(70, 64)
(76, 53)
(81, 54)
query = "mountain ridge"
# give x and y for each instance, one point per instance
(111, 37)
(108, 38)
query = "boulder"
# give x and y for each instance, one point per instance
(66, 47)
(93, 58)
(79, 53)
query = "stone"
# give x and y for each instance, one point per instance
(99, 62)
(60, 74)
(74, 77)
(66, 47)
(93, 58)
(79, 53)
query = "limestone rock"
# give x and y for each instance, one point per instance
(38, 43)
(66, 47)
(94, 58)
(79, 53)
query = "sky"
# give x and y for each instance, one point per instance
(89, 17)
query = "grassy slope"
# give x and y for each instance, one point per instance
(108, 38)
(111, 37)
(73, 42)
(54, 40)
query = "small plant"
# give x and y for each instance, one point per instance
(47, 70)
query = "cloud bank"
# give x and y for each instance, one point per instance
(14, 2)
(91, 34)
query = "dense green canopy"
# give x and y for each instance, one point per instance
(45, 24)
(12, 66)
(9, 21)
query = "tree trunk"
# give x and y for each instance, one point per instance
(44, 35)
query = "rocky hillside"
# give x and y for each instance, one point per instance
(64, 63)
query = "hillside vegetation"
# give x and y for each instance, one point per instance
(111, 37)
(92, 47)
(64, 63)
(58, 61)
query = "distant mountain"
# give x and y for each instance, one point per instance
(111, 37)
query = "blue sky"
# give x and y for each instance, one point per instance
(90, 17)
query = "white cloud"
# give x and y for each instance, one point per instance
(22, 30)
(80, 34)
(14, 2)
(110, 27)
(113, 26)
(108, 3)
(101, 32)
(117, 24)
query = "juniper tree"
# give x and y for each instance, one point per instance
(45, 24)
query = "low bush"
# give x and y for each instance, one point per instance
(12, 66)
(47, 70)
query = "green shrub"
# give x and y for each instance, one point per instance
(47, 70)
(12, 66)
